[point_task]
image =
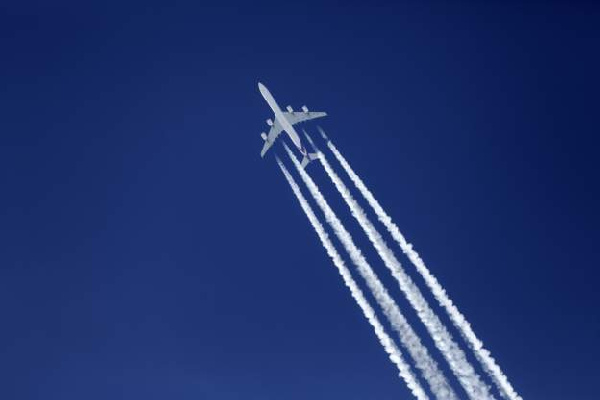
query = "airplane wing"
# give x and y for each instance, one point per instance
(273, 133)
(295, 117)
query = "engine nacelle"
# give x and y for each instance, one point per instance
(263, 136)
(305, 109)
(270, 122)
(290, 109)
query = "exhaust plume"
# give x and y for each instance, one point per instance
(409, 339)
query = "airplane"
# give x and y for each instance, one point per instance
(285, 121)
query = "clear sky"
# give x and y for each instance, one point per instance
(147, 252)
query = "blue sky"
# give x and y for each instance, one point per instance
(148, 252)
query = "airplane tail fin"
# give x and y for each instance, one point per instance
(308, 158)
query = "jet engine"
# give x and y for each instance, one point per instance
(263, 136)
(305, 109)
(290, 109)
(270, 122)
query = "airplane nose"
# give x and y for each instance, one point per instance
(262, 89)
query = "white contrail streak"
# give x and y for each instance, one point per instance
(428, 367)
(388, 344)
(458, 319)
(476, 389)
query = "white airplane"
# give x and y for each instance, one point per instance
(284, 121)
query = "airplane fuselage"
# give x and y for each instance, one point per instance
(285, 124)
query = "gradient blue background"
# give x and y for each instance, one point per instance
(147, 252)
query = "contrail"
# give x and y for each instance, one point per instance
(457, 318)
(428, 367)
(388, 344)
(476, 389)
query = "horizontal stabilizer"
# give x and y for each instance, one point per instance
(308, 158)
